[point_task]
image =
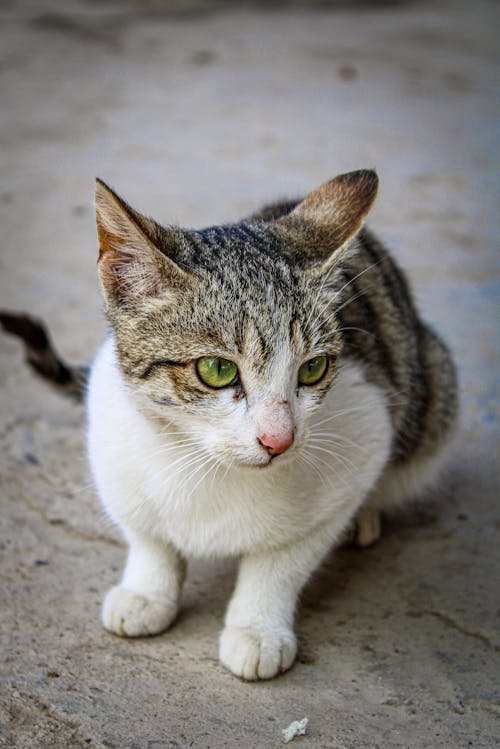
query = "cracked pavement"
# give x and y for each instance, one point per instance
(197, 112)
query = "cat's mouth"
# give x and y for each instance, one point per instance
(253, 467)
(266, 463)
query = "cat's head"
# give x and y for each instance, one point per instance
(229, 335)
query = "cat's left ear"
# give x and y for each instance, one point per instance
(131, 264)
(331, 216)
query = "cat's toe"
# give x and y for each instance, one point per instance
(131, 615)
(368, 527)
(253, 655)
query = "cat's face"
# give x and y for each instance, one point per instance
(239, 358)
(227, 336)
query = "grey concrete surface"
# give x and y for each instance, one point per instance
(197, 112)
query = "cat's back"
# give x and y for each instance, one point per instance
(383, 331)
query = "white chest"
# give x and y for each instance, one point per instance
(151, 483)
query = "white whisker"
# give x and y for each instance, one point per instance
(219, 463)
(354, 409)
(211, 467)
(353, 298)
(309, 461)
(83, 488)
(185, 461)
(337, 439)
(324, 462)
(327, 275)
(338, 293)
(360, 330)
(166, 448)
(336, 456)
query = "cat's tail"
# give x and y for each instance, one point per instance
(42, 356)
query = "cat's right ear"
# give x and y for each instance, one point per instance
(130, 264)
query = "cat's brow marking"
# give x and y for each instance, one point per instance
(164, 401)
(161, 363)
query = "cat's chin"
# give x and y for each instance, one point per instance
(262, 464)
(256, 466)
(253, 464)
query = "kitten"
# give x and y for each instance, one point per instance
(264, 384)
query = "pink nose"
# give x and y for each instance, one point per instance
(275, 445)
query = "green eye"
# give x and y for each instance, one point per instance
(216, 372)
(313, 370)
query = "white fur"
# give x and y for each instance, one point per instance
(221, 496)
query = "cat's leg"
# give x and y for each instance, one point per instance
(258, 641)
(367, 527)
(398, 486)
(146, 601)
(420, 470)
(364, 530)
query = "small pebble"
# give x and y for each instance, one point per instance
(31, 458)
(346, 71)
(297, 728)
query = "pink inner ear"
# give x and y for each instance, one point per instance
(130, 264)
(108, 255)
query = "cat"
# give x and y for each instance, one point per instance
(264, 384)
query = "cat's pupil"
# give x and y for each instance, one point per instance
(312, 371)
(216, 372)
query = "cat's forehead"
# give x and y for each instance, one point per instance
(252, 247)
(244, 235)
(247, 300)
(248, 264)
(250, 293)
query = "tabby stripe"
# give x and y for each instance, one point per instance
(393, 281)
(414, 425)
(245, 232)
(215, 236)
(264, 345)
(163, 363)
(361, 304)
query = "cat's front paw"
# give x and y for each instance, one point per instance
(131, 615)
(252, 655)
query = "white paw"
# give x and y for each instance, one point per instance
(131, 615)
(255, 655)
(368, 527)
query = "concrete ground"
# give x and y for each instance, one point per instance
(197, 112)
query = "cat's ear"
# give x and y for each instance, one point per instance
(335, 212)
(130, 264)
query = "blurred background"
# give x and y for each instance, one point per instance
(197, 112)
